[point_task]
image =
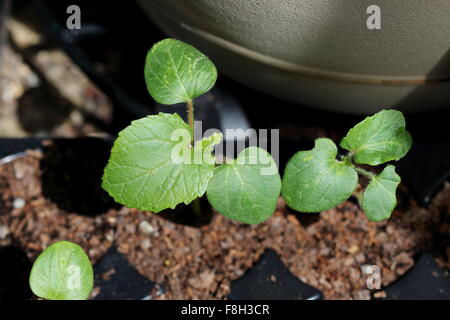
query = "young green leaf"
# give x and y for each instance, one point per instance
(154, 167)
(62, 272)
(379, 138)
(315, 181)
(247, 189)
(379, 199)
(176, 72)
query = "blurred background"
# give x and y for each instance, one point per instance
(89, 82)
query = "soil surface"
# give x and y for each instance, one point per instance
(200, 262)
(42, 92)
(441, 204)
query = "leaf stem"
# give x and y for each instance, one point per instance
(349, 160)
(190, 112)
(196, 207)
(366, 173)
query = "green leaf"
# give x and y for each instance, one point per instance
(379, 199)
(247, 189)
(315, 181)
(153, 166)
(176, 72)
(379, 138)
(62, 272)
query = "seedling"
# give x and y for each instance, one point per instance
(155, 163)
(317, 180)
(62, 272)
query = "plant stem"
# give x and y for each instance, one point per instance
(196, 207)
(349, 159)
(366, 173)
(190, 112)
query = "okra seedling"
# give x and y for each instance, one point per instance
(155, 164)
(317, 180)
(62, 272)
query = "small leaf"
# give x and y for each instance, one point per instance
(62, 272)
(247, 189)
(154, 167)
(315, 181)
(379, 199)
(379, 138)
(176, 72)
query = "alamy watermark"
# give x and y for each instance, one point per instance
(73, 22)
(237, 140)
(74, 279)
(373, 273)
(374, 20)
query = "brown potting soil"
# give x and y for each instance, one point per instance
(441, 204)
(200, 263)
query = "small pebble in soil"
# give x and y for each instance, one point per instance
(18, 203)
(146, 244)
(353, 249)
(146, 228)
(379, 295)
(4, 232)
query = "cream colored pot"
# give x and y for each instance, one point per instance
(321, 52)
